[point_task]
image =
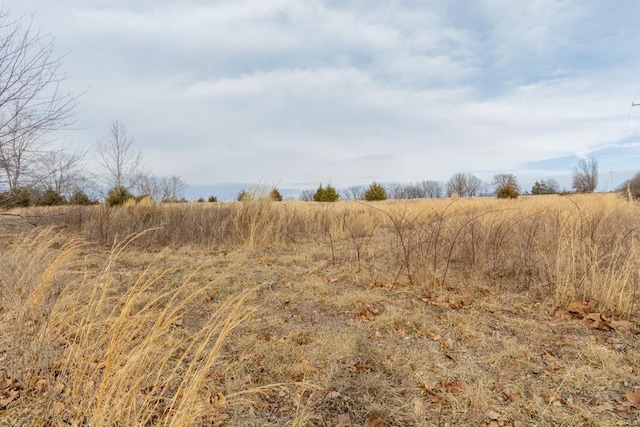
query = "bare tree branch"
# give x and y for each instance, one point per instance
(118, 157)
(32, 89)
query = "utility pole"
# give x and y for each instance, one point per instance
(611, 172)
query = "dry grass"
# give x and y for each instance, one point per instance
(80, 340)
(421, 313)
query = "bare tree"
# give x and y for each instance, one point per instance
(413, 191)
(457, 185)
(585, 175)
(395, 191)
(33, 101)
(144, 184)
(553, 185)
(32, 91)
(355, 192)
(18, 157)
(502, 180)
(432, 189)
(63, 171)
(171, 188)
(464, 185)
(474, 184)
(118, 157)
(307, 195)
(164, 189)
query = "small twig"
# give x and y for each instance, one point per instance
(555, 393)
(23, 217)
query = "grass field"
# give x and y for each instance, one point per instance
(399, 313)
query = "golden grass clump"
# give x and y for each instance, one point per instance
(87, 347)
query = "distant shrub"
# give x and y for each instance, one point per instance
(375, 192)
(326, 194)
(507, 192)
(51, 198)
(275, 195)
(79, 197)
(200, 200)
(212, 199)
(549, 186)
(20, 197)
(118, 196)
(244, 196)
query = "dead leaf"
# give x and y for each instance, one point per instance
(380, 284)
(366, 313)
(5, 402)
(492, 415)
(58, 388)
(378, 335)
(58, 408)
(511, 396)
(605, 407)
(598, 321)
(373, 421)
(6, 383)
(633, 397)
(621, 325)
(218, 400)
(41, 385)
(578, 308)
(429, 385)
(539, 400)
(433, 336)
(333, 395)
(362, 367)
(343, 420)
(458, 304)
(297, 377)
(456, 386)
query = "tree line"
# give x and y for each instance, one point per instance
(504, 185)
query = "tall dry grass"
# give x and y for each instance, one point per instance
(88, 348)
(568, 247)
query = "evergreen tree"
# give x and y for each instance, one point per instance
(375, 192)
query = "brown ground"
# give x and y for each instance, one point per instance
(339, 345)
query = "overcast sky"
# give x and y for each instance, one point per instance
(299, 92)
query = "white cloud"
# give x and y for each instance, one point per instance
(306, 91)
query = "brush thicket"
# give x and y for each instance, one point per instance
(568, 247)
